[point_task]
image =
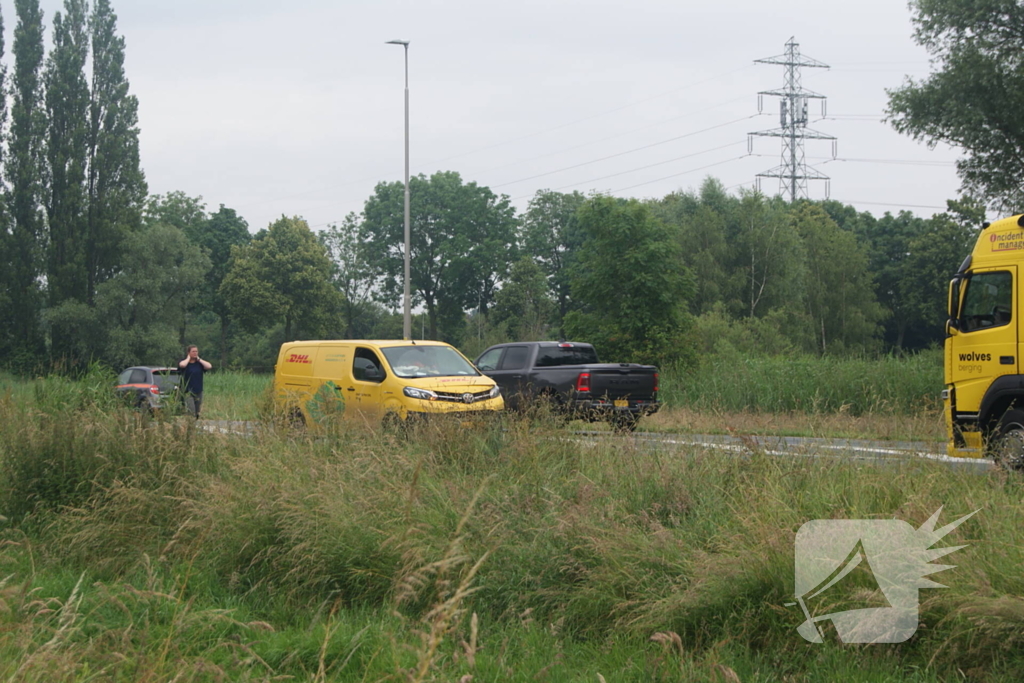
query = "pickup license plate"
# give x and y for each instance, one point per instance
(621, 403)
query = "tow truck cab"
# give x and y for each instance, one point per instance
(983, 399)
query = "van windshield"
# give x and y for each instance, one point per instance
(427, 361)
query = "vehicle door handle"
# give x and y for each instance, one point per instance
(351, 388)
(517, 376)
(1006, 360)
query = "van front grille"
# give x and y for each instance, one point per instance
(461, 397)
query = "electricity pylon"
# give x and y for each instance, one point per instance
(793, 173)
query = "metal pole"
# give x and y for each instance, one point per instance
(407, 318)
(407, 321)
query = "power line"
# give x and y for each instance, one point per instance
(640, 168)
(594, 116)
(611, 137)
(906, 206)
(629, 151)
(905, 162)
(676, 175)
(853, 201)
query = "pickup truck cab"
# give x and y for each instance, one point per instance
(570, 375)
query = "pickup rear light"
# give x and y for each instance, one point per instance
(565, 345)
(583, 382)
(655, 382)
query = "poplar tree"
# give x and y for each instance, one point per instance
(116, 184)
(67, 107)
(10, 299)
(24, 170)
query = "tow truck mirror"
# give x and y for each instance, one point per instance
(953, 304)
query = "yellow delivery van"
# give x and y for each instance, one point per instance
(379, 381)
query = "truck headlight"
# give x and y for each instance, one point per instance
(421, 394)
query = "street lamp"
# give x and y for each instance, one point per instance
(407, 320)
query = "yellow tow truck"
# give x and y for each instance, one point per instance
(983, 400)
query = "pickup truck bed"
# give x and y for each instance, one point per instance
(570, 375)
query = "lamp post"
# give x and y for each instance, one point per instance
(407, 320)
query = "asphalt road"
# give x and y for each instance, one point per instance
(879, 452)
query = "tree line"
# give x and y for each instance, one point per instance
(92, 268)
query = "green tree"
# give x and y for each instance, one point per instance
(701, 223)
(175, 208)
(116, 184)
(351, 276)
(67, 106)
(631, 285)
(141, 305)
(551, 236)
(839, 294)
(523, 307)
(934, 255)
(974, 98)
(767, 263)
(461, 237)
(134, 319)
(217, 235)
(283, 275)
(25, 171)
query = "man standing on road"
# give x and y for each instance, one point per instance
(192, 370)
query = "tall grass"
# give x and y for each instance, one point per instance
(233, 395)
(506, 551)
(809, 384)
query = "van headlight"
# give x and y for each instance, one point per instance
(495, 392)
(421, 394)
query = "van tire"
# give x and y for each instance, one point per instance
(1008, 445)
(393, 423)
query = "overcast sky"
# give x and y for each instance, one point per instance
(296, 107)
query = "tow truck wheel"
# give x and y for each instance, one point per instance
(1008, 447)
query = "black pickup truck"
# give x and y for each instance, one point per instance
(570, 376)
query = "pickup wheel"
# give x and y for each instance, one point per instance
(1008, 445)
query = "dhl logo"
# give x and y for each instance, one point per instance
(298, 358)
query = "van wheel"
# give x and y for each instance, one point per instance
(392, 423)
(1008, 446)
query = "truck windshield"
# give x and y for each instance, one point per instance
(550, 356)
(427, 361)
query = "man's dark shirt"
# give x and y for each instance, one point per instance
(192, 377)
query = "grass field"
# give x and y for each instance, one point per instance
(161, 551)
(140, 550)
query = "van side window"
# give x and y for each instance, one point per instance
(366, 359)
(988, 301)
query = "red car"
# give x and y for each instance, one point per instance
(150, 387)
